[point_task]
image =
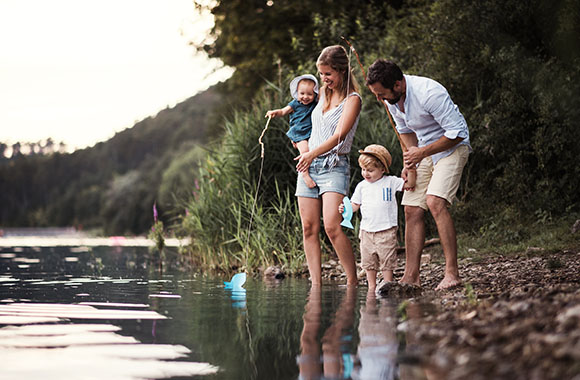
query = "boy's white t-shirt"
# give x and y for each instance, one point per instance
(378, 204)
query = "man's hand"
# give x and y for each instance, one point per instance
(413, 156)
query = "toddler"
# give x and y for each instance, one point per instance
(304, 90)
(375, 197)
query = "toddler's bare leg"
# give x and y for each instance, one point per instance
(303, 148)
(372, 279)
(388, 275)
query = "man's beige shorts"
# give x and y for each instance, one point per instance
(441, 180)
(378, 249)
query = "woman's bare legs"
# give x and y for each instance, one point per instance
(338, 238)
(309, 360)
(302, 147)
(310, 217)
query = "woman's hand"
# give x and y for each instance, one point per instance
(304, 161)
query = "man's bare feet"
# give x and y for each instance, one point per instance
(308, 180)
(448, 282)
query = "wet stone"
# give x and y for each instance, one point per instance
(396, 289)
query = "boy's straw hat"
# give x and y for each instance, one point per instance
(380, 153)
(295, 81)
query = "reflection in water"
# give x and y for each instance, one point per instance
(378, 344)
(336, 360)
(107, 316)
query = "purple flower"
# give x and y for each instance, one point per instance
(155, 215)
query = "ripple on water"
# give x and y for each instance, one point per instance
(63, 349)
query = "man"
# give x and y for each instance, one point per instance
(437, 138)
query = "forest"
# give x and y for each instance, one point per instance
(512, 67)
(111, 186)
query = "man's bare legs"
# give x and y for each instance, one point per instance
(302, 147)
(414, 242)
(340, 242)
(310, 216)
(446, 229)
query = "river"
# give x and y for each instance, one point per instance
(106, 313)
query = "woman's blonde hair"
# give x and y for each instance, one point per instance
(335, 56)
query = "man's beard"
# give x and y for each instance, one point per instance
(396, 100)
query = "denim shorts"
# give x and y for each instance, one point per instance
(327, 180)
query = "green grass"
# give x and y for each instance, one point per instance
(516, 237)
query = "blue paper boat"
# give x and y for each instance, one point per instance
(236, 283)
(346, 213)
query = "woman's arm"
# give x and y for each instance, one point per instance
(350, 112)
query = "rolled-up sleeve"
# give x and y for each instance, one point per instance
(446, 113)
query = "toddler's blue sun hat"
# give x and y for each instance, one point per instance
(295, 81)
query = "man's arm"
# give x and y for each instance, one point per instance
(415, 154)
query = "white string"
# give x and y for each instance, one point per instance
(257, 191)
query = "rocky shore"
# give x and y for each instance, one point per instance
(514, 317)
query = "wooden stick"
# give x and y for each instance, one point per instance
(403, 145)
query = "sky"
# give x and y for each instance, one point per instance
(79, 71)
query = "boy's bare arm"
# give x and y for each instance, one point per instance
(279, 112)
(410, 177)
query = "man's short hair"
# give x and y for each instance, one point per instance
(385, 72)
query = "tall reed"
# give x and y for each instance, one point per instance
(228, 198)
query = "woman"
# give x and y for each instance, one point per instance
(334, 122)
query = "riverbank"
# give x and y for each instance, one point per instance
(515, 317)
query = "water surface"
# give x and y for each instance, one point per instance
(97, 313)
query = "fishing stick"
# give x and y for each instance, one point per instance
(403, 145)
(257, 188)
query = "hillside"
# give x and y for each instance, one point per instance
(112, 185)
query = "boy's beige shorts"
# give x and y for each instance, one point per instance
(378, 249)
(441, 180)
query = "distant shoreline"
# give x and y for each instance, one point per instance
(73, 241)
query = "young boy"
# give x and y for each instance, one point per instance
(304, 90)
(375, 196)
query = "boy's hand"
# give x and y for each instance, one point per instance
(341, 208)
(410, 177)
